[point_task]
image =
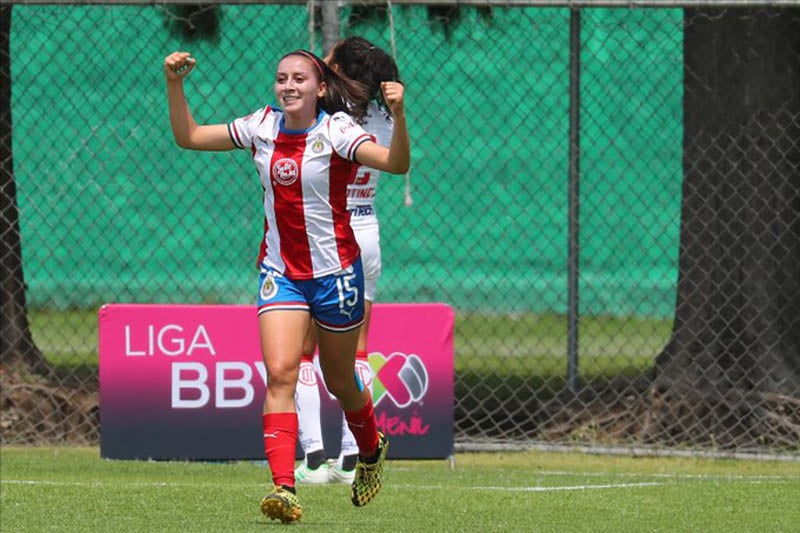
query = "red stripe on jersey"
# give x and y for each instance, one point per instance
(289, 216)
(342, 173)
(262, 249)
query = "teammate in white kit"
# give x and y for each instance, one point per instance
(359, 60)
(306, 153)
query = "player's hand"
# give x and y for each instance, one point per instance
(178, 65)
(393, 93)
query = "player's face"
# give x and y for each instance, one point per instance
(297, 87)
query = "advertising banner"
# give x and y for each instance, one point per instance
(188, 382)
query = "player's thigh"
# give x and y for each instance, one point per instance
(337, 358)
(310, 341)
(364, 331)
(368, 238)
(282, 334)
(337, 307)
(284, 319)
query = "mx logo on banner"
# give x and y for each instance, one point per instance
(403, 378)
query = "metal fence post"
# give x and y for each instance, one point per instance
(573, 257)
(330, 25)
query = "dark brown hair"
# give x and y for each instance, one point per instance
(362, 61)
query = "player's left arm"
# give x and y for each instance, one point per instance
(397, 158)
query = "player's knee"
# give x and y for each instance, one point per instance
(283, 378)
(342, 386)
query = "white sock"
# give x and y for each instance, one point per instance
(307, 403)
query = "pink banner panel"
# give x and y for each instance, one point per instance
(188, 381)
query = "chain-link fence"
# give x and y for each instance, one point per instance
(573, 176)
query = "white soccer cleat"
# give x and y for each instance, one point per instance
(303, 474)
(337, 474)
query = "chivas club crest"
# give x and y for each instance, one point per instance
(285, 171)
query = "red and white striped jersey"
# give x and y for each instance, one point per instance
(361, 193)
(305, 176)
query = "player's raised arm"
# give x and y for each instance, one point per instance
(397, 158)
(187, 133)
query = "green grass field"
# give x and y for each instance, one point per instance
(73, 489)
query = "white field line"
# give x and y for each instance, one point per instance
(535, 488)
(101, 484)
(667, 475)
(662, 475)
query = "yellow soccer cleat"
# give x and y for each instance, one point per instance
(369, 476)
(280, 504)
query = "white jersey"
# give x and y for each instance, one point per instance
(305, 175)
(361, 193)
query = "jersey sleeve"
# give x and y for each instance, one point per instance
(243, 129)
(347, 135)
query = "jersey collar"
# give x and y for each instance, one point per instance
(282, 125)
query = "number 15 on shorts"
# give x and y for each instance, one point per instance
(348, 293)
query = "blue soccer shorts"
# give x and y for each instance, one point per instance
(336, 301)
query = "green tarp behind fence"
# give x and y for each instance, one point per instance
(113, 210)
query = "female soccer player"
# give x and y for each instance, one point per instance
(306, 153)
(359, 60)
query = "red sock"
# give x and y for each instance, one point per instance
(280, 442)
(364, 427)
(362, 355)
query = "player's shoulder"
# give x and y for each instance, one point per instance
(271, 112)
(378, 116)
(341, 123)
(261, 114)
(379, 123)
(340, 117)
(377, 112)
